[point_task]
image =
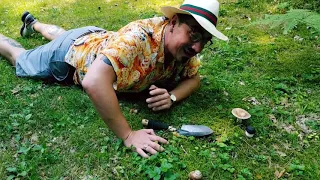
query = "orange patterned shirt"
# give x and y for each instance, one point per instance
(136, 53)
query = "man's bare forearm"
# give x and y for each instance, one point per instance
(98, 85)
(186, 87)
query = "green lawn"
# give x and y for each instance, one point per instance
(49, 131)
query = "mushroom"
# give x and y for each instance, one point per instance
(195, 175)
(250, 131)
(240, 114)
(133, 111)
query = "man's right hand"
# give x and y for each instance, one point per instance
(144, 141)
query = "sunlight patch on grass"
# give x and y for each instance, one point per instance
(74, 143)
(155, 5)
(17, 8)
(263, 40)
(223, 127)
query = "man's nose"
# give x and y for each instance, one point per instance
(197, 47)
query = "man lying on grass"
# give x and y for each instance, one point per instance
(136, 57)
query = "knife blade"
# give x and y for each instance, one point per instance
(186, 130)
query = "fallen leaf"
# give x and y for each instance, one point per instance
(275, 146)
(252, 100)
(16, 90)
(34, 138)
(301, 122)
(300, 136)
(281, 173)
(288, 128)
(242, 83)
(258, 176)
(286, 146)
(281, 154)
(297, 38)
(285, 102)
(273, 118)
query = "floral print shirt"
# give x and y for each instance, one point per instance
(136, 53)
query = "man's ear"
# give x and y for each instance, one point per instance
(174, 19)
(173, 22)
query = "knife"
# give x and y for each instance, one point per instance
(186, 130)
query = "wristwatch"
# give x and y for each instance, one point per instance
(173, 98)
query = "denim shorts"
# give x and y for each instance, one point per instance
(47, 61)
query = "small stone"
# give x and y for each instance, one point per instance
(195, 175)
(298, 38)
(225, 93)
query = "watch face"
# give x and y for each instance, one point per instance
(173, 97)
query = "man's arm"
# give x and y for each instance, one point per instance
(161, 98)
(98, 84)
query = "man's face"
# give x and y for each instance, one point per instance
(187, 39)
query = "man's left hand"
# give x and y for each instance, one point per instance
(160, 99)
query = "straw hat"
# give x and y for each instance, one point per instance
(205, 12)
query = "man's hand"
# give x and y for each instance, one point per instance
(144, 141)
(160, 99)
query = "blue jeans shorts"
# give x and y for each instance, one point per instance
(47, 61)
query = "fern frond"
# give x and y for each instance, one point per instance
(291, 19)
(313, 21)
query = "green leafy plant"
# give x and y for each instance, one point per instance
(74, 143)
(245, 174)
(296, 168)
(17, 172)
(291, 20)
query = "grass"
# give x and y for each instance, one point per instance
(50, 131)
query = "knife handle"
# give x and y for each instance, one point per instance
(157, 125)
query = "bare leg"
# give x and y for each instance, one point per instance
(48, 31)
(10, 49)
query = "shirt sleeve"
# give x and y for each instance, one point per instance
(123, 52)
(191, 68)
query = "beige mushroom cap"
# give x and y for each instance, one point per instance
(240, 113)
